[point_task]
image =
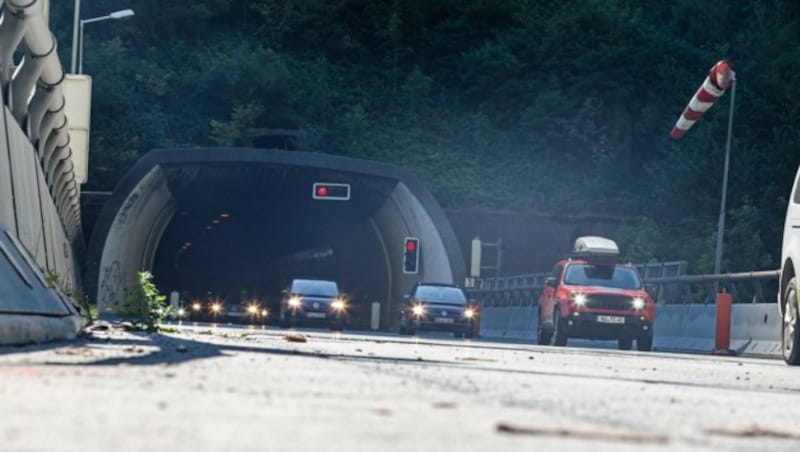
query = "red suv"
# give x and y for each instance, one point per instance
(593, 295)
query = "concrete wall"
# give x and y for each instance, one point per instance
(33, 245)
(755, 328)
(135, 233)
(404, 216)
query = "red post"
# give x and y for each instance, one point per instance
(476, 325)
(722, 340)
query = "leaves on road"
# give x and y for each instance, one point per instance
(753, 430)
(295, 337)
(607, 435)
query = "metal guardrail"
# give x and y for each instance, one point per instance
(747, 287)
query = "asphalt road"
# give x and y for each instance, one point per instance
(232, 389)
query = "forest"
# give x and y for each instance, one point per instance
(528, 106)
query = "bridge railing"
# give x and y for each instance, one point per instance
(748, 287)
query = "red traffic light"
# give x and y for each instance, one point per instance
(331, 191)
(411, 255)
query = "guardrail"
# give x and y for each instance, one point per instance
(747, 287)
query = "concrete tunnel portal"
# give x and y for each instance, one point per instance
(239, 223)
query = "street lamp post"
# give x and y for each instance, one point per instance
(75, 25)
(77, 41)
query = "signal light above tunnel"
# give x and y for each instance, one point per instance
(411, 255)
(331, 191)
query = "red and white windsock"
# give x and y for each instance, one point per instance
(720, 78)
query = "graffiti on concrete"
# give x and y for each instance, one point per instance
(110, 285)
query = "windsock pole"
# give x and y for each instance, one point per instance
(720, 77)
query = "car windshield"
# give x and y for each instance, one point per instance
(443, 294)
(314, 287)
(603, 276)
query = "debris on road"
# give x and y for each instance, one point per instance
(583, 434)
(382, 411)
(472, 358)
(295, 337)
(751, 431)
(445, 405)
(78, 351)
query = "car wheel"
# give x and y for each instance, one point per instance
(625, 343)
(469, 334)
(558, 332)
(543, 335)
(791, 325)
(644, 343)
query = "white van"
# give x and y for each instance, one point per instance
(788, 299)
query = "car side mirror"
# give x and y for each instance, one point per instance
(551, 281)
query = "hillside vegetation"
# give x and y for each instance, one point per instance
(560, 106)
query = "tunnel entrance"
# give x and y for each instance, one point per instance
(239, 224)
(242, 232)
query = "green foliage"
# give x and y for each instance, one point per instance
(144, 306)
(519, 105)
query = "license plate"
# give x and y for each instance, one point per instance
(443, 320)
(610, 319)
(316, 315)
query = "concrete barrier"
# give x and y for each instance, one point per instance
(755, 328)
(509, 322)
(31, 310)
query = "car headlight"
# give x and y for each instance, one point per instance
(216, 307)
(264, 313)
(196, 306)
(638, 303)
(579, 299)
(418, 310)
(469, 313)
(252, 309)
(181, 312)
(338, 305)
(294, 302)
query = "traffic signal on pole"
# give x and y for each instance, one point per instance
(411, 255)
(331, 191)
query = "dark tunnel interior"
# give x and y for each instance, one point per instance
(241, 232)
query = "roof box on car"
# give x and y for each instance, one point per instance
(595, 246)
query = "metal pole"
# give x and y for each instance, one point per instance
(75, 25)
(721, 224)
(80, 49)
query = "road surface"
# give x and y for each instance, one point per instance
(220, 388)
